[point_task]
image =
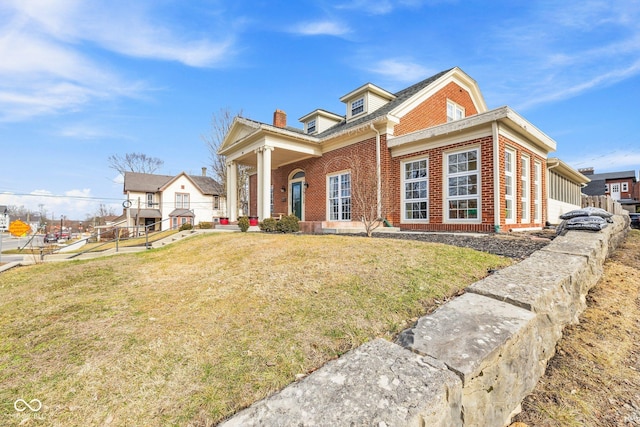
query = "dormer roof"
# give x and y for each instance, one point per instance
(367, 88)
(323, 113)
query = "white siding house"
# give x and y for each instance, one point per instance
(565, 189)
(166, 201)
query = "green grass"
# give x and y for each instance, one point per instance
(190, 333)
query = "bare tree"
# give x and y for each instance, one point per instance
(368, 202)
(134, 162)
(98, 218)
(220, 125)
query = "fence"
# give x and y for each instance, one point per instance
(603, 202)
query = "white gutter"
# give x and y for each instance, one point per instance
(496, 176)
(378, 173)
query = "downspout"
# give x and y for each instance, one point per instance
(496, 177)
(378, 172)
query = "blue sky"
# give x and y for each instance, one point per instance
(81, 80)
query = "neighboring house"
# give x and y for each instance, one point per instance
(442, 161)
(166, 201)
(620, 186)
(565, 189)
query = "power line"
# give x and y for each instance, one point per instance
(10, 193)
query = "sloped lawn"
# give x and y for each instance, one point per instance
(190, 333)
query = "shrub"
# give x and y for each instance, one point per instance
(288, 224)
(268, 225)
(205, 225)
(185, 226)
(243, 223)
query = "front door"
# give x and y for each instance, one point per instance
(615, 191)
(296, 199)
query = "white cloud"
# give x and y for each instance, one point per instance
(560, 52)
(404, 71)
(74, 204)
(607, 161)
(318, 28)
(384, 7)
(54, 66)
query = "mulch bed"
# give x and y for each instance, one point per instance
(517, 245)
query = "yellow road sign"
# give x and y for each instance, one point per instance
(19, 228)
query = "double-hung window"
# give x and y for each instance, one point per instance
(357, 106)
(415, 184)
(509, 185)
(454, 111)
(525, 199)
(537, 191)
(463, 182)
(339, 197)
(311, 126)
(150, 200)
(182, 200)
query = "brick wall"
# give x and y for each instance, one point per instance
(505, 142)
(316, 171)
(433, 111)
(436, 188)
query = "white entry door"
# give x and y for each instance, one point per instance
(615, 191)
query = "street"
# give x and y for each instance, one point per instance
(8, 242)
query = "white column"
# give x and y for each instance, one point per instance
(265, 189)
(232, 191)
(259, 154)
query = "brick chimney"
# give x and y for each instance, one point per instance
(280, 119)
(587, 171)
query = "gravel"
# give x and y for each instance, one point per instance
(517, 245)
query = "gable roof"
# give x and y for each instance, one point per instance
(400, 97)
(242, 127)
(613, 175)
(151, 183)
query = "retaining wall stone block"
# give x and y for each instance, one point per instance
(377, 384)
(492, 345)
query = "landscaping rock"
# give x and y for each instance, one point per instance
(377, 384)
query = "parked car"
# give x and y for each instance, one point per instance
(51, 238)
(635, 220)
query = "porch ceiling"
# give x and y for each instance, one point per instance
(279, 157)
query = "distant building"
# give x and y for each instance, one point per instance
(166, 201)
(622, 187)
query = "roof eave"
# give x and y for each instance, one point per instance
(554, 163)
(503, 114)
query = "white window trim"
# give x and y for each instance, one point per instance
(313, 123)
(514, 186)
(182, 200)
(456, 108)
(328, 187)
(537, 202)
(625, 187)
(403, 213)
(446, 198)
(525, 200)
(364, 106)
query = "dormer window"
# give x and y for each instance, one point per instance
(357, 106)
(454, 111)
(311, 126)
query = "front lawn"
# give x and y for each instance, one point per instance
(190, 333)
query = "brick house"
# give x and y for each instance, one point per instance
(441, 161)
(621, 186)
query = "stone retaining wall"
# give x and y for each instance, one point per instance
(469, 363)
